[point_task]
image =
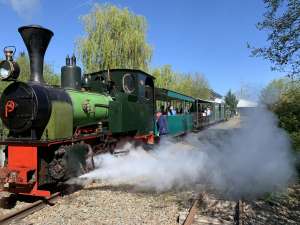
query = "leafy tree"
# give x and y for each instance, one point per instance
(271, 94)
(190, 84)
(165, 77)
(285, 103)
(193, 85)
(288, 111)
(115, 38)
(282, 22)
(231, 101)
(50, 77)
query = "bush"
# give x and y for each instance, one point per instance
(288, 111)
(283, 98)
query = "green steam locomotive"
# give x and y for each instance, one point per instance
(54, 132)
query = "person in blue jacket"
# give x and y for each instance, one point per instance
(161, 123)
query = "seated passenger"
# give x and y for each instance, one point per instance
(186, 111)
(208, 112)
(173, 111)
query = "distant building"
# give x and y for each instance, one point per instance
(245, 106)
(216, 97)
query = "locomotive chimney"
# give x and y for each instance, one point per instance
(36, 39)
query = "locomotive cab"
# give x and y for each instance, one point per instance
(133, 95)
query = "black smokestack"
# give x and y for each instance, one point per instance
(36, 39)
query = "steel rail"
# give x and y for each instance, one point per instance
(193, 210)
(240, 212)
(239, 216)
(27, 210)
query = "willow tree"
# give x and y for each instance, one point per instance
(115, 38)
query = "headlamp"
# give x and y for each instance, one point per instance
(9, 69)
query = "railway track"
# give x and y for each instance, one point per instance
(239, 215)
(29, 209)
(193, 210)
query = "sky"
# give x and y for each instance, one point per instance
(206, 36)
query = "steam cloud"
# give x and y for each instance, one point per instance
(243, 162)
(2, 157)
(24, 8)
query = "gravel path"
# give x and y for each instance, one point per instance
(232, 123)
(101, 203)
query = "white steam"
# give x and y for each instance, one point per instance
(170, 165)
(2, 157)
(242, 162)
(24, 8)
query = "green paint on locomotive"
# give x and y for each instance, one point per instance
(60, 124)
(88, 107)
(129, 115)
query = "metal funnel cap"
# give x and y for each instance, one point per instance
(36, 39)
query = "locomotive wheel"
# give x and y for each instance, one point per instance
(71, 161)
(8, 202)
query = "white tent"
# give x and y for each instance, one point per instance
(243, 103)
(219, 100)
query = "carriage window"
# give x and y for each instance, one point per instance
(128, 83)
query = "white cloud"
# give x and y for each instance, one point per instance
(24, 8)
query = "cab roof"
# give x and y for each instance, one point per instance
(125, 70)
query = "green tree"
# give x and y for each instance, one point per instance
(271, 94)
(115, 38)
(193, 85)
(282, 96)
(190, 84)
(282, 22)
(165, 77)
(231, 101)
(288, 111)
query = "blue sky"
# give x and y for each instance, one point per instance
(207, 36)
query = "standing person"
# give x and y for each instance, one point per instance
(161, 124)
